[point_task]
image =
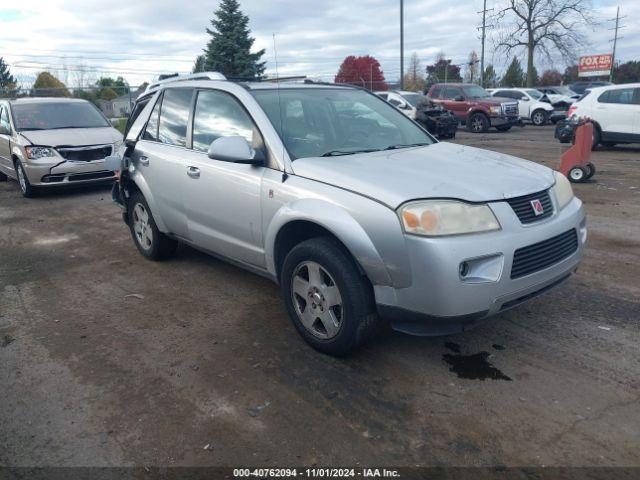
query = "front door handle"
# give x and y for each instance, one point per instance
(193, 172)
(144, 160)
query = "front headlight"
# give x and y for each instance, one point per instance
(496, 109)
(563, 190)
(33, 153)
(446, 217)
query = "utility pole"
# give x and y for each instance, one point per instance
(615, 40)
(401, 44)
(484, 36)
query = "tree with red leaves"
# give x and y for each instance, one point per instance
(551, 78)
(362, 71)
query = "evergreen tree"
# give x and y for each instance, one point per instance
(514, 76)
(490, 78)
(198, 65)
(229, 50)
(6, 79)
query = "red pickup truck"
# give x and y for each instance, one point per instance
(475, 107)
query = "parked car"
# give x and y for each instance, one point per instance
(356, 211)
(580, 86)
(561, 97)
(46, 142)
(531, 106)
(406, 101)
(475, 107)
(614, 110)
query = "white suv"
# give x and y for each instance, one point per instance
(406, 101)
(615, 111)
(530, 104)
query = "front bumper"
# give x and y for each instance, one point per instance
(503, 121)
(47, 172)
(440, 301)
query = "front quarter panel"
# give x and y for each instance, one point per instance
(369, 230)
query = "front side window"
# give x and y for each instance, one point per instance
(315, 122)
(4, 118)
(54, 115)
(174, 116)
(474, 91)
(217, 115)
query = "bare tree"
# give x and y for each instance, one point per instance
(414, 79)
(471, 74)
(542, 26)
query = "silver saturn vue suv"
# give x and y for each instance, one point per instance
(46, 142)
(351, 207)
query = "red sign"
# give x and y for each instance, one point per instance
(595, 65)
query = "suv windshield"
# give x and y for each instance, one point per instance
(315, 122)
(474, 91)
(535, 94)
(55, 115)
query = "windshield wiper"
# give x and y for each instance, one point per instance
(30, 129)
(406, 145)
(336, 153)
(70, 126)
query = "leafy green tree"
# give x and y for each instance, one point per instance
(570, 74)
(108, 94)
(490, 78)
(627, 72)
(118, 85)
(229, 49)
(198, 65)
(514, 76)
(46, 85)
(7, 81)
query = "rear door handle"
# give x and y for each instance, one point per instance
(144, 160)
(193, 172)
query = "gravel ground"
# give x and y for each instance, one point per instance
(107, 359)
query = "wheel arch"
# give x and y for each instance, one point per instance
(137, 181)
(310, 218)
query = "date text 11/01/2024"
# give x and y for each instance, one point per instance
(316, 472)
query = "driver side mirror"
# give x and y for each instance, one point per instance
(234, 149)
(4, 130)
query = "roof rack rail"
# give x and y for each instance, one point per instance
(183, 78)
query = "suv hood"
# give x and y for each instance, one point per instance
(494, 100)
(441, 170)
(72, 136)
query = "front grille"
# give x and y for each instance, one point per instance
(510, 109)
(523, 207)
(527, 260)
(85, 154)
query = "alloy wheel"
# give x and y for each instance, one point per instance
(477, 125)
(317, 300)
(141, 226)
(538, 118)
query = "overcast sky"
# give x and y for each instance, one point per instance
(139, 39)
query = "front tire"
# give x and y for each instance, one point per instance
(23, 181)
(478, 123)
(539, 118)
(330, 303)
(151, 242)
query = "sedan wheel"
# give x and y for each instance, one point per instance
(317, 300)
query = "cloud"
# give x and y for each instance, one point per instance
(142, 39)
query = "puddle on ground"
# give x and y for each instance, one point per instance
(473, 367)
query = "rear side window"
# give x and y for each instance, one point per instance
(435, 93)
(174, 116)
(218, 114)
(621, 95)
(4, 118)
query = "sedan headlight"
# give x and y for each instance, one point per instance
(563, 190)
(33, 153)
(446, 217)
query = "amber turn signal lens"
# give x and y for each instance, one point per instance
(410, 219)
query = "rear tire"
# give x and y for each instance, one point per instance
(591, 170)
(151, 242)
(329, 301)
(478, 123)
(539, 118)
(23, 181)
